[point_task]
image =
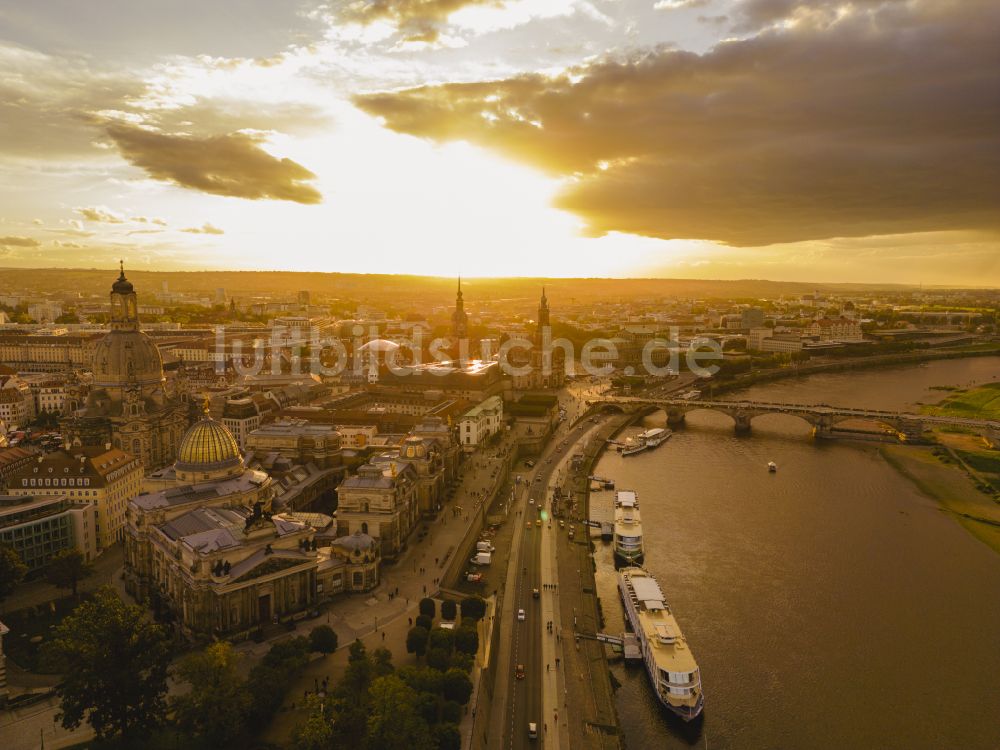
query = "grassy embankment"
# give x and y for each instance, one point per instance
(962, 473)
(937, 476)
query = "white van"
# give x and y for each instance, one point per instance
(532, 730)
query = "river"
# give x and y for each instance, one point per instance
(829, 605)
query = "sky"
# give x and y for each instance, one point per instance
(732, 139)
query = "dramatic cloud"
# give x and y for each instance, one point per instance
(868, 121)
(417, 20)
(9, 242)
(101, 215)
(233, 165)
(205, 228)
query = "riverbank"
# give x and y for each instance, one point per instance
(951, 487)
(867, 363)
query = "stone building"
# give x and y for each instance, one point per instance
(380, 501)
(127, 402)
(204, 544)
(542, 366)
(105, 478)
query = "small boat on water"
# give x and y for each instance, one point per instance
(772, 467)
(647, 441)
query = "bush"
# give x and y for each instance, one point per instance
(449, 609)
(467, 640)
(448, 737)
(474, 607)
(416, 640)
(457, 686)
(438, 658)
(451, 712)
(428, 608)
(461, 661)
(443, 639)
(424, 621)
(323, 639)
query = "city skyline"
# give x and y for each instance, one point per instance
(817, 142)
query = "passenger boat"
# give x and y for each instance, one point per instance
(628, 527)
(671, 666)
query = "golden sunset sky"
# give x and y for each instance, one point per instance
(777, 139)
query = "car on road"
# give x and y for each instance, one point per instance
(532, 730)
(529, 524)
(538, 479)
(520, 615)
(529, 463)
(534, 593)
(519, 672)
(531, 501)
(562, 524)
(538, 522)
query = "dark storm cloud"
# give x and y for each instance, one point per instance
(234, 164)
(883, 121)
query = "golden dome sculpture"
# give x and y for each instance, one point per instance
(208, 450)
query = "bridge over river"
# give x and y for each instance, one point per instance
(823, 418)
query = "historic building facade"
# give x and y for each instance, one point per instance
(202, 542)
(542, 366)
(104, 479)
(127, 403)
(380, 501)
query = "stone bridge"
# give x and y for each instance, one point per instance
(823, 418)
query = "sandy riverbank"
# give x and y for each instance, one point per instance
(951, 487)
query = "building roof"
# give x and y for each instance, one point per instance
(190, 493)
(208, 445)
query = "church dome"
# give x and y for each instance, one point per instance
(208, 448)
(379, 345)
(125, 358)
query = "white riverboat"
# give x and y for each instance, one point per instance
(671, 666)
(647, 441)
(628, 527)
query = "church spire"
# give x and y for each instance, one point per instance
(459, 319)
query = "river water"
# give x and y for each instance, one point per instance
(829, 605)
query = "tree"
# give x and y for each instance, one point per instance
(442, 638)
(416, 640)
(114, 667)
(323, 639)
(448, 737)
(474, 607)
(66, 569)
(317, 731)
(448, 609)
(424, 621)
(467, 639)
(12, 571)
(382, 662)
(427, 607)
(216, 704)
(438, 658)
(393, 722)
(457, 686)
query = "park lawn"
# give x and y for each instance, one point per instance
(951, 487)
(982, 402)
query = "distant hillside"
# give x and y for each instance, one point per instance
(395, 289)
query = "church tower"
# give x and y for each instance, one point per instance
(543, 315)
(124, 303)
(459, 319)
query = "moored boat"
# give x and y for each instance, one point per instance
(628, 527)
(671, 666)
